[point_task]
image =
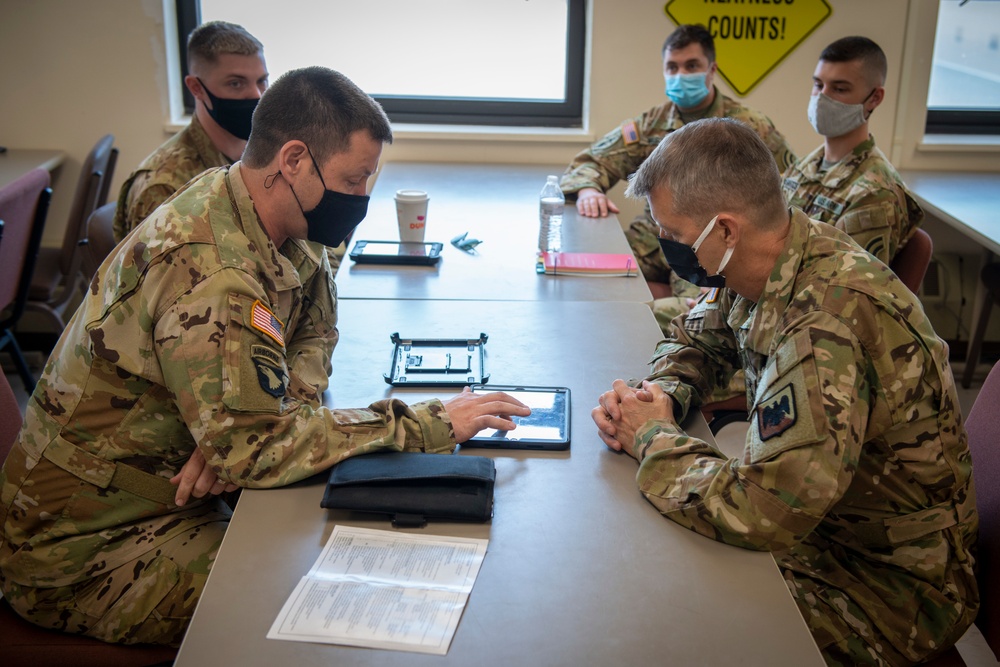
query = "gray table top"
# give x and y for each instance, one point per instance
(581, 569)
(497, 204)
(967, 201)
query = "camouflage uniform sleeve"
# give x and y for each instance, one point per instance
(136, 201)
(802, 447)
(229, 383)
(315, 337)
(881, 221)
(698, 355)
(611, 159)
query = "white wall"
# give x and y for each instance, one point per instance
(77, 70)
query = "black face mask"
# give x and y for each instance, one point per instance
(335, 216)
(233, 116)
(684, 262)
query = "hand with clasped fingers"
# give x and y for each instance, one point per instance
(623, 410)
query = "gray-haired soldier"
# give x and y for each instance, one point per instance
(856, 472)
(206, 336)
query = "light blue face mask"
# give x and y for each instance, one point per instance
(687, 90)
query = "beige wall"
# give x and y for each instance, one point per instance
(77, 70)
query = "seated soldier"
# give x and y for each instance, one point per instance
(856, 473)
(205, 338)
(227, 77)
(847, 181)
(689, 69)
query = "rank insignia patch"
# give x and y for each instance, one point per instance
(630, 134)
(263, 320)
(776, 414)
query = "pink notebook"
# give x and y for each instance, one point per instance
(587, 264)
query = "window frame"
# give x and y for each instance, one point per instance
(962, 121)
(452, 110)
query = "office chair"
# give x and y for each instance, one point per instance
(59, 272)
(911, 261)
(100, 238)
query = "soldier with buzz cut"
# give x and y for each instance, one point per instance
(205, 338)
(856, 473)
(848, 182)
(689, 70)
(227, 77)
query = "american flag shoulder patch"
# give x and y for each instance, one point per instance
(264, 321)
(630, 133)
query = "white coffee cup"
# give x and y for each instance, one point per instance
(411, 213)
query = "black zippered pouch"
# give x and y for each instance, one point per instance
(413, 487)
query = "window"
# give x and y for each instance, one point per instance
(478, 62)
(964, 95)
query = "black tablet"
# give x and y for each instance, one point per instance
(547, 427)
(395, 252)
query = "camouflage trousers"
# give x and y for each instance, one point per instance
(846, 637)
(149, 600)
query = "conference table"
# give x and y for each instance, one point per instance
(969, 203)
(580, 568)
(497, 204)
(15, 162)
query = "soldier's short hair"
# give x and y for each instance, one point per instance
(210, 40)
(690, 33)
(847, 49)
(318, 106)
(712, 165)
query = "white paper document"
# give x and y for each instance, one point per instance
(383, 589)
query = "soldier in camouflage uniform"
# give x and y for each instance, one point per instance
(847, 181)
(208, 330)
(856, 473)
(689, 68)
(224, 60)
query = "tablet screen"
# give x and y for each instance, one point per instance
(396, 249)
(547, 427)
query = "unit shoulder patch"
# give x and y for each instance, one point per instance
(777, 414)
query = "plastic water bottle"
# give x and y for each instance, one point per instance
(551, 204)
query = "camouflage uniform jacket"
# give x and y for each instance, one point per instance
(856, 471)
(196, 332)
(862, 195)
(164, 172)
(621, 151)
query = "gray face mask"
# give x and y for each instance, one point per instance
(834, 119)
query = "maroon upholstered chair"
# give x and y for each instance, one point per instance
(22, 643)
(911, 262)
(23, 207)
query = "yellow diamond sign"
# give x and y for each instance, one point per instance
(751, 36)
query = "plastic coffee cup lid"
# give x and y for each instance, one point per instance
(411, 195)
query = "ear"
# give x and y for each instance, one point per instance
(293, 159)
(194, 85)
(731, 226)
(876, 99)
